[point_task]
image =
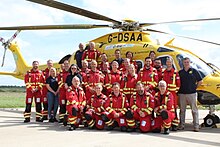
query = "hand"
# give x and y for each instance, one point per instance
(156, 109)
(116, 115)
(81, 108)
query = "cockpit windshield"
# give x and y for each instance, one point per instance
(196, 63)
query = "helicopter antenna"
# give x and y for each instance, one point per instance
(7, 43)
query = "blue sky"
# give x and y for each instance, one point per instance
(44, 45)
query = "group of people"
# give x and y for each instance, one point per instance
(105, 95)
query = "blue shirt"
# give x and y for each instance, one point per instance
(189, 80)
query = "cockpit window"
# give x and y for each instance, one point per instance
(196, 63)
(163, 49)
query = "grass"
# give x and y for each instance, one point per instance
(12, 99)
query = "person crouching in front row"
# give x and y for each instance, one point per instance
(95, 107)
(116, 106)
(76, 102)
(164, 109)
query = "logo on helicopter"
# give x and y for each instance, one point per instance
(125, 37)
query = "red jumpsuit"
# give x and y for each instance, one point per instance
(95, 107)
(128, 85)
(90, 55)
(44, 94)
(163, 103)
(33, 80)
(149, 78)
(144, 103)
(62, 93)
(111, 78)
(159, 72)
(116, 104)
(91, 79)
(173, 83)
(75, 100)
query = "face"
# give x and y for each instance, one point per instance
(148, 62)
(93, 65)
(131, 70)
(117, 54)
(73, 69)
(105, 66)
(66, 65)
(140, 89)
(81, 46)
(162, 88)
(186, 63)
(49, 64)
(169, 63)
(91, 46)
(114, 65)
(157, 63)
(52, 72)
(85, 64)
(126, 62)
(152, 55)
(129, 55)
(35, 65)
(116, 89)
(98, 89)
(104, 57)
(75, 82)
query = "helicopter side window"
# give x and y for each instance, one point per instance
(196, 63)
(163, 60)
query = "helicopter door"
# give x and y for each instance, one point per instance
(163, 60)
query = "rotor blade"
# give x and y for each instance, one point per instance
(191, 20)
(45, 27)
(3, 59)
(156, 31)
(73, 9)
(14, 36)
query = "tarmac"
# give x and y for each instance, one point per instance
(15, 133)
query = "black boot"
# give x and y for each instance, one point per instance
(123, 129)
(72, 127)
(174, 128)
(38, 119)
(166, 131)
(60, 121)
(27, 120)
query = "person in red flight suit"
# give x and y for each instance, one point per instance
(76, 102)
(171, 77)
(83, 71)
(148, 76)
(91, 53)
(34, 80)
(158, 67)
(95, 107)
(142, 105)
(164, 109)
(44, 91)
(116, 107)
(104, 59)
(93, 77)
(129, 82)
(125, 66)
(130, 56)
(114, 76)
(62, 92)
(152, 56)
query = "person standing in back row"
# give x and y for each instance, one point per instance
(78, 55)
(190, 79)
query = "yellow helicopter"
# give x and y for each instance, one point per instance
(132, 36)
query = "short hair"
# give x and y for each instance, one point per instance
(128, 53)
(162, 82)
(35, 62)
(117, 50)
(157, 59)
(139, 83)
(186, 58)
(75, 77)
(49, 61)
(99, 84)
(116, 83)
(152, 52)
(169, 58)
(147, 58)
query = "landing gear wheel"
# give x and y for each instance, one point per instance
(211, 120)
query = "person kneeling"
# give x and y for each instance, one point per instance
(95, 108)
(142, 105)
(76, 101)
(116, 106)
(164, 109)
